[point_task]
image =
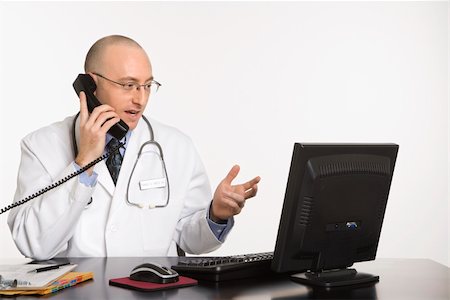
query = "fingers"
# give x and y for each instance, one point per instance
(251, 183)
(101, 120)
(233, 202)
(84, 114)
(235, 197)
(232, 174)
(99, 116)
(248, 189)
(233, 206)
(108, 124)
(238, 198)
(251, 192)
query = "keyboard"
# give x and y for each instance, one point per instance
(225, 268)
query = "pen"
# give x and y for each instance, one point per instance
(43, 269)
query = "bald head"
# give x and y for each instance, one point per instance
(95, 55)
(113, 62)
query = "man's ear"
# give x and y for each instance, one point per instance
(95, 78)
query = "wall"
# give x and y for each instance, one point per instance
(247, 80)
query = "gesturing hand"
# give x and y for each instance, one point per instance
(230, 199)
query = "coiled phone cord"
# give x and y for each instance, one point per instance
(61, 181)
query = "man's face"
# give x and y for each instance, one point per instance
(124, 64)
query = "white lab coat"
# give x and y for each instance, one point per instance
(60, 223)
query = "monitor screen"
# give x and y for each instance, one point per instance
(333, 210)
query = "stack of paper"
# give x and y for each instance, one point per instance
(68, 280)
(20, 279)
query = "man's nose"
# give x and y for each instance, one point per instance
(140, 96)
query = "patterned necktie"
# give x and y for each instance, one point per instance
(114, 161)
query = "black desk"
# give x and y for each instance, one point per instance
(399, 279)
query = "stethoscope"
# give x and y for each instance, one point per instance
(140, 153)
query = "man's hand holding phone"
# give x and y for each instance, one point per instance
(93, 128)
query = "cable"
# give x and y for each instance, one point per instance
(61, 181)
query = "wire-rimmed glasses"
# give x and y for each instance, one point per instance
(151, 87)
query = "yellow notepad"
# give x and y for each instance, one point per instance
(65, 281)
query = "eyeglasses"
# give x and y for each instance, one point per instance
(151, 87)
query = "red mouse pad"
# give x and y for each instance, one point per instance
(127, 283)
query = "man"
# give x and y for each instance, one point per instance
(94, 215)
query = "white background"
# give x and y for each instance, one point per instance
(246, 81)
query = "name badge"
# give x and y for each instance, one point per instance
(152, 184)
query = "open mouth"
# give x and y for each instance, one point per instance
(132, 112)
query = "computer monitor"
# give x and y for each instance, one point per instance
(333, 211)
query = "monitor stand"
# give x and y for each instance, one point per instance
(334, 278)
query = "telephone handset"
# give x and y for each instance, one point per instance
(85, 83)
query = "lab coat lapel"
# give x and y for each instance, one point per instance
(104, 177)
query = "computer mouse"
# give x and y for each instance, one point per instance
(153, 272)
